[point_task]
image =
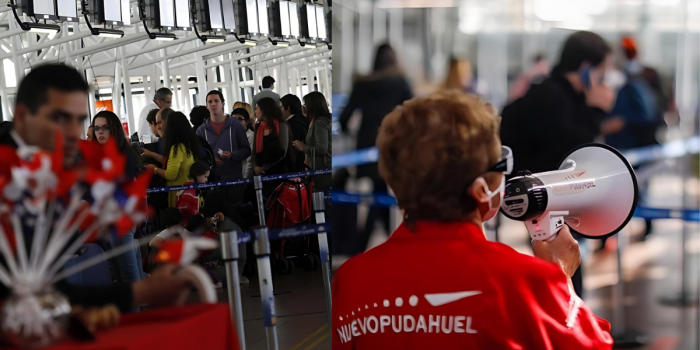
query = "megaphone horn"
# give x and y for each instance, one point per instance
(594, 191)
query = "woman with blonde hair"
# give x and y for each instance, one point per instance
(245, 106)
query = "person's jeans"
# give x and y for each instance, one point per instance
(129, 263)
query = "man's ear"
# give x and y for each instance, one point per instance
(20, 118)
(477, 190)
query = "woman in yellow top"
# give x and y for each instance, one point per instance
(181, 148)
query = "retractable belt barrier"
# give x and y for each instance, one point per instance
(287, 232)
(673, 149)
(239, 181)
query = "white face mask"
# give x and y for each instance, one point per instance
(489, 195)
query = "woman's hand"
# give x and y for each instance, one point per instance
(562, 250)
(298, 145)
(147, 153)
(152, 167)
(259, 170)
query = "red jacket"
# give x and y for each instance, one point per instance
(188, 203)
(445, 286)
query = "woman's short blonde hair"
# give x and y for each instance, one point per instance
(247, 107)
(431, 149)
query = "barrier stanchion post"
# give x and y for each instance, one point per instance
(623, 338)
(685, 298)
(319, 207)
(257, 181)
(229, 253)
(262, 254)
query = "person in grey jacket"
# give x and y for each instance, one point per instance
(317, 147)
(228, 140)
(268, 84)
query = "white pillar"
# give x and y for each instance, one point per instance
(379, 27)
(235, 80)
(16, 46)
(6, 113)
(396, 29)
(201, 79)
(116, 92)
(91, 95)
(133, 123)
(155, 82)
(299, 91)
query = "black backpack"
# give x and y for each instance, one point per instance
(207, 155)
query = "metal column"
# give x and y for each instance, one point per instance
(319, 207)
(133, 125)
(229, 253)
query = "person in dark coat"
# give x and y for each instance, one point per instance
(375, 96)
(291, 111)
(563, 111)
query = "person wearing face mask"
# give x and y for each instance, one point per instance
(565, 110)
(442, 157)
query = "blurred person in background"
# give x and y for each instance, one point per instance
(228, 141)
(182, 148)
(641, 103)
(163, 98)
(374, 96)
(198, 115)
(106, 125)
(268, 84)
(241, 114)
(272, 150)
(437, 282)
(565, 110)
(89, 132)
(298, 123)
(317, 147)
(247, 107)
(535, 73)
(459, 76)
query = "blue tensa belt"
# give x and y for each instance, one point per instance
(239, 181)
(287, 232)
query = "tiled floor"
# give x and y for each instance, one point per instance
(300, 305)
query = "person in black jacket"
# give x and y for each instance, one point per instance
(375, 96)
(54, 98)
(563, 111)
(291, 111)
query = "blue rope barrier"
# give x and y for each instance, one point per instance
(239, 181)
(673, 149)
(385, 200)
(288, 232)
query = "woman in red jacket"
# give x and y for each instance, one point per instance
(442, 157)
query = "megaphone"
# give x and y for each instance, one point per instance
(594, 192)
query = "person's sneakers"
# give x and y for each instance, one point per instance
(244, 280)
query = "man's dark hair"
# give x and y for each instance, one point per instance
(33, 90)
(198, 115)
(242, 112)
(162, 93)
(292, 103)
(151, 116)
(216, 92)
(582, 47)
(267, 82)
(171, 217)
(165, 112)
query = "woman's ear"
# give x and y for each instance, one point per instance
(477, 190)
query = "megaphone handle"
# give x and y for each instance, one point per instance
(546, 227)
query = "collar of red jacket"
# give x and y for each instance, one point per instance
(441, 230)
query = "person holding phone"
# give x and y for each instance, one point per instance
(565, 110)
